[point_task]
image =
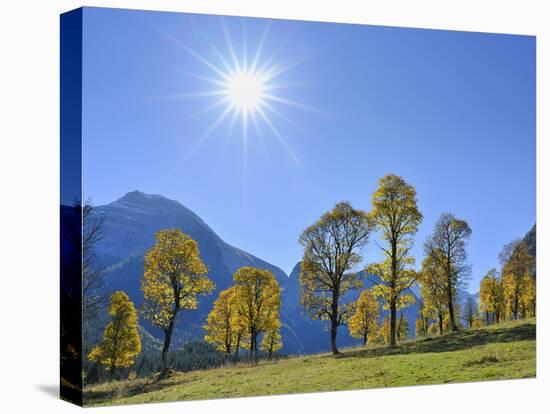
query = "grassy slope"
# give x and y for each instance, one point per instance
(498, 352)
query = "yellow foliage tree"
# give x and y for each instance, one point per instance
(384, 333)
(517, 267)
(528, 301)
(478, 323)
(402, 328)
(434, 329)
(121, 342)
(422, 320)
(258, 300)
(396, 214)
(174, 278)
(447, 323)
(364, 322)
(332, 248)
(420, 327)
(470, 311)
(447, 248)
(223, 327)
(433, 288)
(272, 340)
(491, 294)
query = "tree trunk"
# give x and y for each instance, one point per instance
(440, 318)
(237, 347)
(365, 339)
(165, 347)
(251, 350)
(334, 321)
(454, 328)
(393, 317)
(112, 370)
(256, 349)
(393, 304)
(333, 332)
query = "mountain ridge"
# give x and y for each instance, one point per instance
(130, 224)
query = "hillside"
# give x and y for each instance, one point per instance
(497, 352)
(130, 224)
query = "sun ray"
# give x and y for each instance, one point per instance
(260, 47)
(196, 55)
(278, 70)
(278, 113)
(229, 133)
(210, 130)
(180, 96)
(208, 79)
(229, 42)
(289, 102)
(246, 88)
(216, 51)
(279, 136)
(223, 101)
(245, 51)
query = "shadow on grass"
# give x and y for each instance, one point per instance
(126, 389)
(451, 342)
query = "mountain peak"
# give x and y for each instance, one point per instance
(143, 200)
(139, 195)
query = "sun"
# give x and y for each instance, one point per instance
(245, 91)
(242, 86)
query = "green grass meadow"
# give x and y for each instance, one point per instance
(497, 352)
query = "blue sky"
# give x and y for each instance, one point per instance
(451, 112)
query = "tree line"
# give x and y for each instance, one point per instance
(245, 317)
(510, 293)
(333, 254)
(174, 278)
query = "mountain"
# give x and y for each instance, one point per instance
(130, 224)
(132, 221)
(531, 239)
